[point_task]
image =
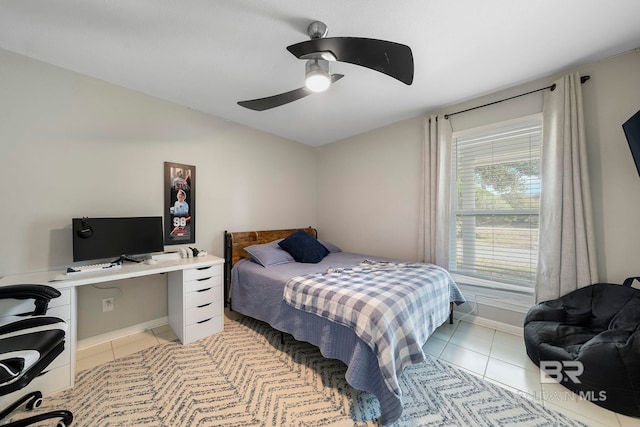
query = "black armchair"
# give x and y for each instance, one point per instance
(593, 331)
(27, 347)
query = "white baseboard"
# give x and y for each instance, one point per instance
(141, 327)
(493, 324)
(130, 330)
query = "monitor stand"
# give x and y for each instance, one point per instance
(124, 258)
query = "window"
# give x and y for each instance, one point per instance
(494, 204)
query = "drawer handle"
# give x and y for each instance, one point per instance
(203, 290)
(204, 268)
(206, 278)
(204, 305)
(205, 321)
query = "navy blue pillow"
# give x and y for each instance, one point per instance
(304, 248)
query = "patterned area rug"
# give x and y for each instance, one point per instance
(245, 377)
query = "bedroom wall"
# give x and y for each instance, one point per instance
(374, 178)
(73, 146)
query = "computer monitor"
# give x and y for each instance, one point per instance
(632, 131)
(121, 238)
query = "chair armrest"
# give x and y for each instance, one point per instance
(41, 294)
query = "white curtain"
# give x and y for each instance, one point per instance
(566, 254)
(433, 233)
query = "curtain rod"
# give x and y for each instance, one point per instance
(552, 88)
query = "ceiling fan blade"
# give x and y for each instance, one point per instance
(262, 104)
(392, 59)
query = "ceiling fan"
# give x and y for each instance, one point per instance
(392, 59)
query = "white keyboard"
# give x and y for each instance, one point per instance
(92, 268)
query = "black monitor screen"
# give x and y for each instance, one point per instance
(632, 131)
(99, 238)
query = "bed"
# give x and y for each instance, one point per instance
(376, 347)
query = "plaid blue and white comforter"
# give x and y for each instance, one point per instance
(392, 306)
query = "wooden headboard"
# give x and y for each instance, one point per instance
(235, 242)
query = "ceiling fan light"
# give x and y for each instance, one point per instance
(317, 78)
(317, 81)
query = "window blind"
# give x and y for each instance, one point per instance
(495, 202)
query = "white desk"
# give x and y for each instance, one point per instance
(195, 306)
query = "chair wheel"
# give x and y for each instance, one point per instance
(35, 402)
(67, 419)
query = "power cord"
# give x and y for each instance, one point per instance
(121, 292)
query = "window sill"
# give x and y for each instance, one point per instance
(485, 292)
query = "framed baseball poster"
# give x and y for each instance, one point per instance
(179, 203)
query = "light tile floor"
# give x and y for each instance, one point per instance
(500, 358)
(495, 356)
(111, 350)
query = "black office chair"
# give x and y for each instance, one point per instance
(27, 347)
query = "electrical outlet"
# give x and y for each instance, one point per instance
(107, 304)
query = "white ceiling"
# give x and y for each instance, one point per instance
(209, 54)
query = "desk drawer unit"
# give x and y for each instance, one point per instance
(195, 302)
